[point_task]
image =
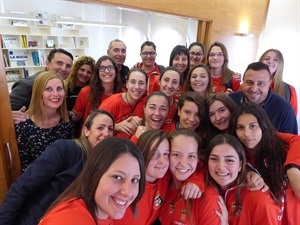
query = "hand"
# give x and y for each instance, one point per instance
(223, 215)
(191, 190)
(135, 120)
(129, 125)
(293, 175)
(255, 182)
(237, 76)
(140, 130)
(228, 91)
(20, 116)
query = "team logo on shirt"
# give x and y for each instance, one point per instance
(157, 201)
(237, 211)
(183, 214)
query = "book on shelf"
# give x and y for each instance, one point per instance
(25, 72)
(10, 42)
(19, 58)
(1, 41)
(24, 41)
(35, 58)
(5, 61)
(42, 57)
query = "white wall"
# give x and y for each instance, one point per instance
(282, 31)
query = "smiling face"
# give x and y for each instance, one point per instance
(216, 57)
(196, 55)
(117, 51)
(136, 86)
(248, 131)
(224, 165)
(271, 60)
(180, 62)
(219, 115)
(148, 55)
(199, 80)
(159, 163)
(61, 64)
(53, 94)
(189, 115)
(108, 75)
(84, 74)
(156, 111)
(118, 187)
(183, 158)
(170, 83)
(256, 85)
(101, 128)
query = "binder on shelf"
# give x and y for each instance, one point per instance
(35, 58)
(25, 72)
(24, 41)
(41, 55)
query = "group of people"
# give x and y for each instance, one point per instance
(188, 143)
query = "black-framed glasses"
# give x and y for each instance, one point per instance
(197, 54)
(109, 68)
(151, 54)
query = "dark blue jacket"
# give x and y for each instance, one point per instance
(279, 111)
(44, 180)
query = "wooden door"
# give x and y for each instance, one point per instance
(10, 167)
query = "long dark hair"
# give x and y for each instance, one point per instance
(178, 50)
(241, 179)
(270, 151)
(98, 162)
(96, 86)
(198, 99)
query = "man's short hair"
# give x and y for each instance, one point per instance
(60, 50)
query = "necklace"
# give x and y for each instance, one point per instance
(131, 108)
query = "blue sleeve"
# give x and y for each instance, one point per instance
(37, 175)
(289, 123)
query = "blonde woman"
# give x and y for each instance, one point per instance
(48, 118)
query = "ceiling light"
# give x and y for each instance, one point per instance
(240, 34)
(18, 16)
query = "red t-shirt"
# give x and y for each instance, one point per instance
(82, 103)
(72, 212)
(218, 87)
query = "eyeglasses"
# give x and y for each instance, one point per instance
(151, 54)
(109, 68)
(219, 54)
(197, 54)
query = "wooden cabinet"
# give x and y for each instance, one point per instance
(10, 167)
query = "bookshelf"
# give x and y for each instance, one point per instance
(26, 45)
